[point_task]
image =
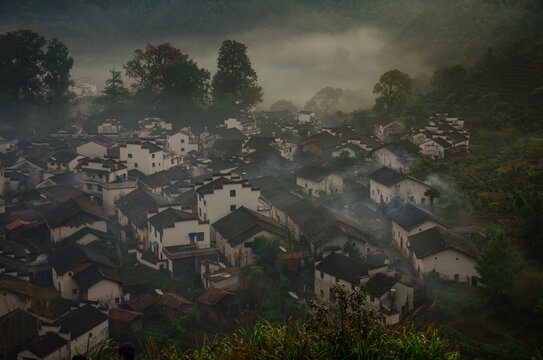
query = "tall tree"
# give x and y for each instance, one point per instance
(235, 82)
(173, 82)
(57, 64)
(500, 263)
(115, 96)
(393, 89)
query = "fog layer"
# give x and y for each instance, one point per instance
(289, 65)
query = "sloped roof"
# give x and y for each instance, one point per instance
(243, 223)
(165, 177)
(18, 328)
(176, 302)
(141, 303)
(313, 173)
(259, 142)
(387, 176)
(84, 232)
(379, 284)
(70, 208)
(92, 274)
(456, 137)
(213, 296)
(435, 240)
(441, 142)
(323, 140)
(168, 218)
(227, 147)
(343, 267)
(402, 148)
(80, 321)
(187, 199)
(123, 315)
(137, 204)
(66, 258)
(45, 345)
(63, 156)
(409, 216)
(337, 229)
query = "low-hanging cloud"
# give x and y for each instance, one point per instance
(290, 65)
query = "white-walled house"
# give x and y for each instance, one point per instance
(96, 148)
(85, 326)
(110, 127)
(235, 234)
(220, 195)
(392, 298)
(387, 295)
(63, 161)
(387, 184)
(174, 233)
(244, 124)
(434, 148)
(73, 215)
(306, 117)
(384, 131)
(143, 156)
(181, 142)
(80, 273)
(451, 256)
(316, 180)
(400, 155)
(407, 221)
(50, 346)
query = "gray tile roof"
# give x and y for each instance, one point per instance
(435, 240)
(343, 267)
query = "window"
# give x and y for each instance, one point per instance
(337, 279)
(161, 238)
(456, 258)
(232, 193)
(200, 236)
(322, 275)
(456, 277)
(306, 185)
(99, 187)
(90, 334)
(117, 300)
(205, 203)
(322, 293)
(200, 212)
(182, 149)
(74, 291)
(153, 156)
(171, 161)
(89, 186)
(153, 164)
(182, 141)
(232, 207)
(332, 295)
(155, 232)
(100, 176)
(135, 164)
(248, 244)
(130, 156)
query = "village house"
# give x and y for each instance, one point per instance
(409, 220)
(222, 194)
(147, 157)
(30, 169)
(121, 320)
(386, 130)
(217, 308)
(12, 294)
(181, 142)
(336, 268)
(99, 147)
(287, 144)
(450, 256)
(110, 127)
(106, 180)
(209, 136)
(141, 304)
(86, 327)
(176, 239)
(367, 143)
(339, 233)
(321, 144)
(400, 155)
(63, 161)
(157, 182)
(73, 215)
(235, 234)
(50, 346)
(148, 125)
(217, 275)
(351, 149)
(174, 306)
(392, 298)
(387, 184)
(80, 273)
(306, 117)
(245, 124)
(132, 214)
(316, 180)
(434, 148)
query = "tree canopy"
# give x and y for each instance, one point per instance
(34, 78)
(393, 89)
(235, 85)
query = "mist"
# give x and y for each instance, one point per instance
(290, 65)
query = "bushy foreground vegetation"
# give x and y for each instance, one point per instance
(345, 332)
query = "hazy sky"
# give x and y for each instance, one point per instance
(289, 65)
